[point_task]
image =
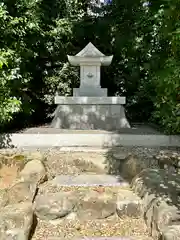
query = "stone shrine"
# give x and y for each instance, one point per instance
(90, 107)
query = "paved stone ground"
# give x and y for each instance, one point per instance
(136, 129)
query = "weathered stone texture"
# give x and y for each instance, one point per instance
(54, 205)
(34, 170)
(95, 205)
(160, 195)
(171, 233)
(16, 221)
(128, 204)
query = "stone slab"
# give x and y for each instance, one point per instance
(135, 130)
(89, 100)
(88, 180)
(106, 140)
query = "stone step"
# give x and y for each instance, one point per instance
(104, 238)
(89, 180)
(86, 196)
(87, 202)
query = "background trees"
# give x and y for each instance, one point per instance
(36, 36)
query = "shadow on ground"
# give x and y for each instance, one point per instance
(144, 176)
(125, 163)
(5, 141)
(159, 183)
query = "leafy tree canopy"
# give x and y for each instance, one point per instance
(37, 35)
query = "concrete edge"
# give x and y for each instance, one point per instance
(89, 100)
(87, 140)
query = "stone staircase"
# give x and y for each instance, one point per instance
(78, 206)
(88, 206)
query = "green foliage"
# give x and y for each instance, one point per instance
(61, 82)
(167, 78)
(36, 36)
(167, 100)
(9, 70)
(33, 35)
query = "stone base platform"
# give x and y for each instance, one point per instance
(90, 117)
(88, 140)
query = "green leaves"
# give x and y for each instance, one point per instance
(36, 36)
(167, 97)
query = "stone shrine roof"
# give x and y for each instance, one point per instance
(90, 55)
(90, 51)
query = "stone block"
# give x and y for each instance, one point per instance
(16, 221)
(163, 215)
(53, 206)
(171, 233)
(93, 100)
(104, 117)
(131, 166)
(21, 191)
(95, 205)
(90, 92)
(128, 204)
(34, 171)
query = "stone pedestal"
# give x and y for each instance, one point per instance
(101, 117)
(105, 113)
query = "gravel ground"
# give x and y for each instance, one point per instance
(44, 188)
(110, 227)
(73, 163)
(59, 162)
(142, 151)
(94, 162)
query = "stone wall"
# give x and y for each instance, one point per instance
(160, 193)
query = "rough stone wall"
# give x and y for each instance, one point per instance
(160, 193)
